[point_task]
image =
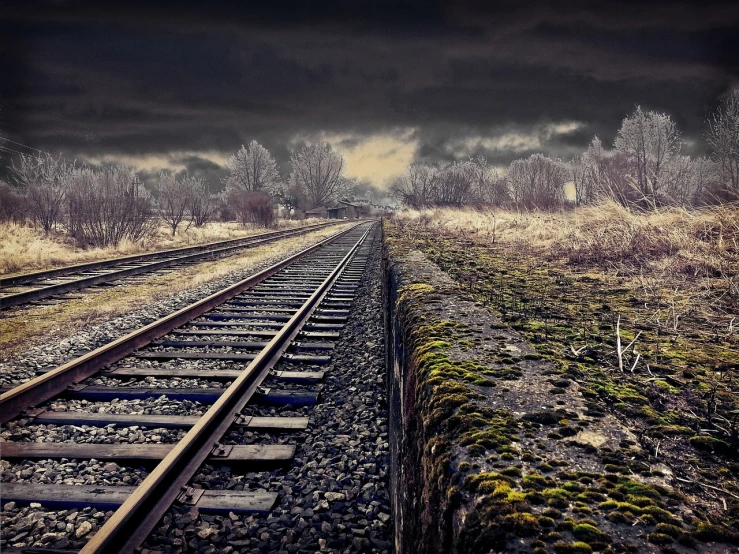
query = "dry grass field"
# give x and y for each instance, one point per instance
(24, 248)
(690, 259)
(640, 311)
(31, 326)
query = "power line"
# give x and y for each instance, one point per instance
(10, 150)
(23, 145)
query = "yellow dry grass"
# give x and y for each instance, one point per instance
(33, 326)
(684, 260)
(697, 242)
(24, 248)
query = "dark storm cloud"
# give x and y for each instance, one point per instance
(203, 169)
(155, 78)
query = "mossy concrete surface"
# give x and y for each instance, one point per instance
(495, 448)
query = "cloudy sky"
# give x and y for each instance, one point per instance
(180, 86)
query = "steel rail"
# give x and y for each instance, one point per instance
(129, 526)
(44, 387)
(50, 290)
(59, 271)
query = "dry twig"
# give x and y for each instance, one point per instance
(619, 351)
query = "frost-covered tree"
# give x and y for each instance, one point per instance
(318, 171)
(487, 186)
(651, 142)
(538, 182)
(588, 172)
(174, 199)
(45, 181)
(252, 169)
(600, 173)
(723, 138)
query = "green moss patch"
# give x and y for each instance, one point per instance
(506, 471)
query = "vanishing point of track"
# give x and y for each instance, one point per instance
(278, 325)
(31, 287)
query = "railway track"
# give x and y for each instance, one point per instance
(41, 285)
(188, 389)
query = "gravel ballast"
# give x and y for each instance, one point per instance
(333, 498)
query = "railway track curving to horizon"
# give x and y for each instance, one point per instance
(193, 386)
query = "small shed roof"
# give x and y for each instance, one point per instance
(348, 203)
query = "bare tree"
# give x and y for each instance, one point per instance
(202, 203)
(108, 205)
(45, 180)
(723, 138)
(174, 199)
(487, 186)
(13, 203)
(538, 182)
(415, 188)
(459, 183)
(453, 185)
(651, 141)
(599, 173)
(318, 170)
(252, 169)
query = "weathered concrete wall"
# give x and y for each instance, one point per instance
(405, 473)
(492, 449)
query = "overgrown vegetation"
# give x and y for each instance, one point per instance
(98, 207)
(639, 313)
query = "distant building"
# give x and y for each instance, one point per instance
(339, 210)
(319, 211)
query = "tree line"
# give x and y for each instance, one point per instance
(644, 168)
(103, 206)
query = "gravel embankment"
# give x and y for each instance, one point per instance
(333, 498)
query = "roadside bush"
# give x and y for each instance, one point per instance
(45, 181)
(253, 208)
(13, 204)
(107, 206)
(224, 209)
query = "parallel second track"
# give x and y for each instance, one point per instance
(275, 329)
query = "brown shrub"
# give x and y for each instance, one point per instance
(13, 204)
(253, 208)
